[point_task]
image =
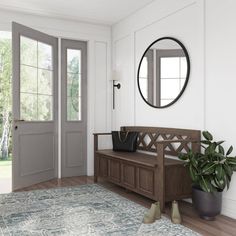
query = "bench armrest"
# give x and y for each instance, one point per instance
(96, 139)
(95, 136)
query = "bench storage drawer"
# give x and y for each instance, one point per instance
(114, 171)
(145, 181)
(103, 166)
(128, 173)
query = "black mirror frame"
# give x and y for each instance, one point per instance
(187, 76)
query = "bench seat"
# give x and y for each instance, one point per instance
(138, 158)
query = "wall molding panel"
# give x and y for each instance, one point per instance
(197, 25)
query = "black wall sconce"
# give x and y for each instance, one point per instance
(115, 84)
(118, 86)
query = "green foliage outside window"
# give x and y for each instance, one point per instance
(5, 99)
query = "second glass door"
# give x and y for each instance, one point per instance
(74, 108)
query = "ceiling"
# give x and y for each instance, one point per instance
(106, 12)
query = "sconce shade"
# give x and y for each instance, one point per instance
(116, 76)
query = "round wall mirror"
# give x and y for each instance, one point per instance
(163, 72)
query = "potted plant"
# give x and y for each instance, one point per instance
(211, 172)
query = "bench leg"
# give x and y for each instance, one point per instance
(95, 179)
(162, 204)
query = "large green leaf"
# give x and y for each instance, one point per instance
(210, 150)
(220, 142)
(205, 184)
(202, 158)
(219, 171)
(183, 156)
(206, 142)
(221, 156)
(228, 173)
(229, 151)
(207, 135)
(211, 180)
(228, 169)
(221, 150)
(208, 169)
(220, 184)
(227, 181)
(193, 173)
(231, 160)
(194, 162)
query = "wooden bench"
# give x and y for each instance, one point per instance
(149, 171)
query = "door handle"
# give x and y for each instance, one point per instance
(17, 120)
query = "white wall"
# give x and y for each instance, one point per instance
(221, 81)
(205, 27)
(99, 58)
(130, 39)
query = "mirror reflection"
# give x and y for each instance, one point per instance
(163, 72)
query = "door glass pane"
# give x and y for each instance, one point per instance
(73, 85)
(44, 56)
(28, 79)
(44, 107)
(28, 106)
(28, 51)
(73, 60)
(36, 81)
(72, 111)
(45, 85)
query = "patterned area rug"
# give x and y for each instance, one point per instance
(85, 210)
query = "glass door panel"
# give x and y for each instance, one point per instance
(74, 85)
(36, 80)
(73, 108)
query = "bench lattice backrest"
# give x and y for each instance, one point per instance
(148, 136)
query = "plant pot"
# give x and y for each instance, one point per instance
(208, 205)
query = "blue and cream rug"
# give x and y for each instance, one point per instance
(85, 210)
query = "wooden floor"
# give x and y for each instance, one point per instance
(222, 226)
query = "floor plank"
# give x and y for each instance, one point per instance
(222, 226)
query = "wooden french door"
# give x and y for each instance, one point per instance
(35, 101)
(73, 108)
